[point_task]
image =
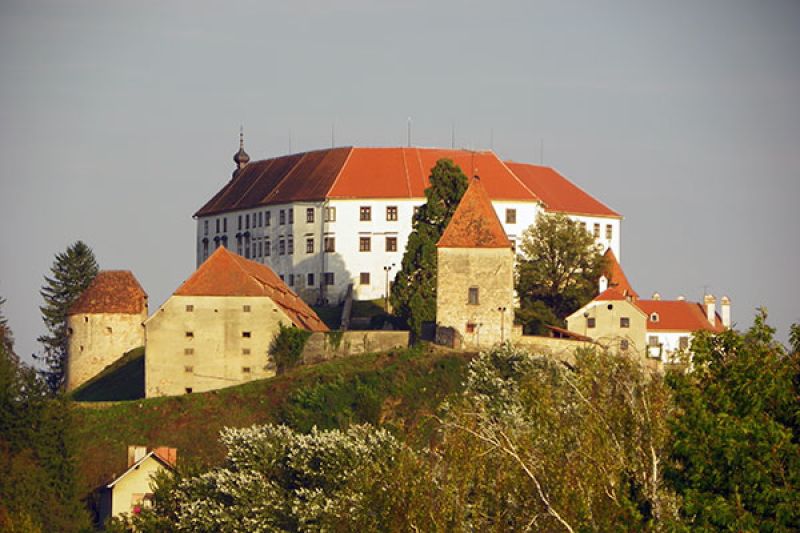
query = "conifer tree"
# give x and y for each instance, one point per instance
(6, 337)
(72, 271)
(414, 290)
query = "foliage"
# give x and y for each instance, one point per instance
(413, 293)
(557, 271)
(37, 472)
(736, 450)
(72, 271)
(6, 336)
(121, 380)
(287, 347)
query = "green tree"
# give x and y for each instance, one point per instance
(736, 433)
(72, 271)
(6, 337)
(413, 294)
(557, 271)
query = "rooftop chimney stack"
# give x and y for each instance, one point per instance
(656, 296)
(725, 307)
(135, 454)
(602, 284)
(711, 308)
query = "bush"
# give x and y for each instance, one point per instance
(287, 347)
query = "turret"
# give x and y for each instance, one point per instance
(240, 158)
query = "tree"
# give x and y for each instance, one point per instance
(413, 294)
(72, 272)
(6, 337)
(736, 432)
(557, 271)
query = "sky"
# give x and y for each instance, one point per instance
(118, 120)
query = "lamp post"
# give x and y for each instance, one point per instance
(386, 270)
(502, 311)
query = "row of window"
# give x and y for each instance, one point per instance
(190, 351)
(596, 230)
(245, 334)
(264, 219)
(190, 370)
(624, 322)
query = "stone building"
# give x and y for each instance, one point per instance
(216, 329)
(104, 323)
(327, 219)
(475, 275)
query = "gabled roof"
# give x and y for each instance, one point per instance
(678, 315)
(152, 453)
(475, 223)
(616, 276)
(228, 274)
(611, 294)
(111, 291)
(557, 192)
(395, 172)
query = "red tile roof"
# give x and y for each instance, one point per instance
(611, 294)
(678, 315)
(228, 274)
(616, 276)
(557, 192)
(396, 172)
(475, 223)
(111, 291)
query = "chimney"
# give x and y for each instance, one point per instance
(135, 454)
(170, 455)
(603, 284)
(725, 308)
(656, 296)
(681, 298)
(711, 308)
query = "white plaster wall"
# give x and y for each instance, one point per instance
(670, 344)
(96, 340)
(607, 331)
(217, 359)
(136, 482)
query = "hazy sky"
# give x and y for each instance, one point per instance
(119, 119)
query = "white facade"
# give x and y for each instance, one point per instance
(667, 345)
(281, 241)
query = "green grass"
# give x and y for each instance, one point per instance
(331, 315)
(368, 308)
(121, 380)
(397, 390)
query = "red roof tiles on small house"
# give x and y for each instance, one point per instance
(228, 274)
(677, 315)
(396, 172)
(475, 223)
(111, 291)
(616, 276)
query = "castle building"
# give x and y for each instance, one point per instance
(216, 329)
(327, 219)
(475, 278)
(103, 324)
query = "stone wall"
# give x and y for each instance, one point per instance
(562, 349)
(324, 346)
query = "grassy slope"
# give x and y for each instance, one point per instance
(121, 380)
(397, 390)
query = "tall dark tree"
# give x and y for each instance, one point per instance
(414, 290)
(72, 271)
(557, 271)
(6, 337)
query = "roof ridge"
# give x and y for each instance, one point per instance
(350, 150)
(405, 171)
(503, 163)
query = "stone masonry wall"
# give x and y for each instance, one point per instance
(324, 346)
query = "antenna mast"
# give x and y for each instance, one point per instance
(409, 132)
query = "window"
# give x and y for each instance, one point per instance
(511, 216)
(309, 246)
(260, 249)
(291, 280)
(624, 322)
(391, 244)
(391, 213)
(416, 211)
(290, 245)
(290, 212)
(246, 334)
(683, 343)
(365, 213)
(267, 248)
(190, 334)
(260, 219)
(590, 322)
(282, 247)
(217, 221)
(281, 217)
(310, 215)
(247, 221)
(224, 225)
(310, 280)
(188, 351)
(654, 317)
(364, 244)
(652, 340)
(205, 227)
(330, 214)
(583, 225)
(330, 244)
(470, 327)
(245, 308)
(328, 278)
(608, 231)
(267, 218)
(623, 344)
(188, 390)
(245, 351)
(189, 308)
(363, 279)
(240, 223)
(108, 330)
(472, 296)
(596, 231)
(188, 369)
(280, 276)
(245, 370)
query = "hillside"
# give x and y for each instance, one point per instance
(397, 390)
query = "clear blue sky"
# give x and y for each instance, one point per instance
(118, 120)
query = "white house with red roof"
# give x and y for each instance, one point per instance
(326, 219)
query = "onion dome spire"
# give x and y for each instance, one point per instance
(241, 158)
